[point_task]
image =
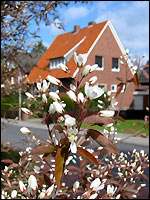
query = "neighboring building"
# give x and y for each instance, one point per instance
(103, 46)
(141, 94)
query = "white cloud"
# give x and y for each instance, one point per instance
(74, 13)
(53, 28)
(130, 20)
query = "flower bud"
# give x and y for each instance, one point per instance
(25, 131)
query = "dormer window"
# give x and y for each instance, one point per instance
(56, 61)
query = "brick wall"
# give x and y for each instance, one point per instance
(108, 48)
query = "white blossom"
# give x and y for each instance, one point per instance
(71, 95)
(75, 186)
(43, 86)
(88, 69)
(93, 196)
(54, 80)
(72, 136)
(22, 186)
(75, 73)
(50, 190)
(32, 183)
(14, 194)
(27, 111)
(54, 96)
(63, 67)
(56, 107)
(92, 80)
(81, 98)
(73, 87)
(111, 190)
(93, 92)
(69, 121)
(106, 113)
(44, 98)
(29, 95)
(97, 185)
(80, 59)
(25, 131)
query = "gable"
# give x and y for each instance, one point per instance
(64, 45)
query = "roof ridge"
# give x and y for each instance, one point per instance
(83, 28)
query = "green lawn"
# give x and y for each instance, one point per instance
(123, 126)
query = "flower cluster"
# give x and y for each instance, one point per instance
(90, 156)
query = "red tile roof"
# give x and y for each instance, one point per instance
(60, 46)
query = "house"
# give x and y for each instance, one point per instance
(103, 46)
(141, 94)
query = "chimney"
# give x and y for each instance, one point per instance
(76, 28)
(91, 23)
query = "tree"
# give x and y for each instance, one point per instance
(16, 18)
(39, 47)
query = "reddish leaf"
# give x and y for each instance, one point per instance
(121, 118)
(24, 23)
(135, 79)
(142, 135)
(119, 89)
(87, 155)
(98, 120)
(7, 161)
(47, 180)
(40, 17)
(119, 78)
(37, 22)
(129, 130)
(61, 157)
(138, 122)
(29, 17)
(62, 196)
(103, 141)
(48, 149)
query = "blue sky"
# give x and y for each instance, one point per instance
(129, 18)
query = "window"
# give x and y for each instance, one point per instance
(54, 62)
(123, 89)
(103, 86)
(114, 88)
(100, 61)
(115, 65)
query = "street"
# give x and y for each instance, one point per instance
(11, 133)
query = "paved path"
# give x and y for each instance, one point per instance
(10, 132)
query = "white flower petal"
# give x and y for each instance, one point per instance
(73, 147)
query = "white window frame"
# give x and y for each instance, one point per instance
(123, 89)
(54, 63)
(115, 88)
(101, 68)
(118, 69)
(104, 86)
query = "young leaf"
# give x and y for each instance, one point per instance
(48, 149)
(138, 122)
(60, 159)
(121, 118)
(135, 79)
(29, 17)
(119, 89)
(98, 120)
(7, 161)
(129, 130)
(103, 141)
(87, 155)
